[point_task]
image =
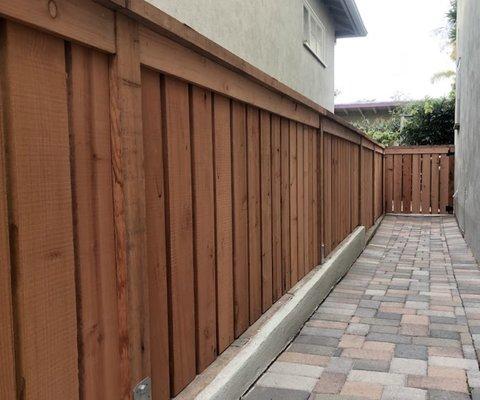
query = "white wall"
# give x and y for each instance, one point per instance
(266, 33)
(467, 140)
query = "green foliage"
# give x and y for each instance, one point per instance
(429, 122)
(385, 132)
(452, 21)
(426, 122)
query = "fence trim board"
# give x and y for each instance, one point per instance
(82, 21)
(419, 149)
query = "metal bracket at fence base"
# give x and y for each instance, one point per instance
(143, 390)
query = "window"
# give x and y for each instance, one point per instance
(313, 33)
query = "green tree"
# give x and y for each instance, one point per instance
(429, 122)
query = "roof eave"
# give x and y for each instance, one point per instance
(348, 21)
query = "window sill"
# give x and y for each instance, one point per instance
(307, 46)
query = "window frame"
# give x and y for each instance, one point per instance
(307, 37)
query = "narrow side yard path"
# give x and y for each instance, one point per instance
(400, 326)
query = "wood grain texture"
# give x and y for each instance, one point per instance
(94, 225)
(37, 143)
(416, 180)
(300, 202)
(407, 184)
(435, 185)
(397, 183)
(223, 220)
(276, 209)
(81, 21)
(8, 389)
(254, 213)
(285, 201)
(153, 141)
(177, 153)
(426, 177)
(129, 205)
(307, 174)
(165, 55)
(327, 193)
(266, 193)
(389, 183)
(293, 204)
(240, 218)
(444, 183)
(203, 192)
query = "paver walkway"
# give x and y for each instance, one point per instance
(400, 326)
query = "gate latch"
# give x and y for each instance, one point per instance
(143, 390)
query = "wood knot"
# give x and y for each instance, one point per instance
(52, 9)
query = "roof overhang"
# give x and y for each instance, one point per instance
(347, 19)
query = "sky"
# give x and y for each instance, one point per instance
(399, 56)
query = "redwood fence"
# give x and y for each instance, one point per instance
(158, 195)
(419, 179)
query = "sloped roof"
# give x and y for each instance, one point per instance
(347, 19)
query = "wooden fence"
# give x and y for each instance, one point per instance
(419, 179)
(158, 195)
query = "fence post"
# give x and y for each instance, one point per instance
(129, 200)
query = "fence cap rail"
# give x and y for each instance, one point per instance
(164, 24)
(440, 149)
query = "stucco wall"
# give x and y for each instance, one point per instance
(266, 33)
(467, 140)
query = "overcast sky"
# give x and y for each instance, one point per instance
(401, 53)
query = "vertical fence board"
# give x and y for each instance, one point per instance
(306, 201)
(240, 218)
(254, 213)
(388, 183)
(354, 186)
(293, 204)
(223, 220)
(311, 202)
(276, 209)
(407, 183)
(444, 182)
(416, 180)
(156, 240)
(93, 218)
(266, 189)
(8, 388)
(179, 232)
(285, 171)
(327, 193)
(37, 142)
(397, 183)
(435, 186)
(426, 184)
(300, 202)
(316, 239)
(203, 193)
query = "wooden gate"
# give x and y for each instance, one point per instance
(419, 179)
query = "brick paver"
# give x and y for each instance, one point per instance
(404, 324)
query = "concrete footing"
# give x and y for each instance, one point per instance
(258, 353)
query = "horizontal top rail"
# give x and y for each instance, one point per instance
(441, 149)
(164, 24)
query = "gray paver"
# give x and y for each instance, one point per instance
(398, 326)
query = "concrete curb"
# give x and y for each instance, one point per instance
(255, 357)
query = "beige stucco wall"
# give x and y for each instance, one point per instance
(467, 140)
(266, 33)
